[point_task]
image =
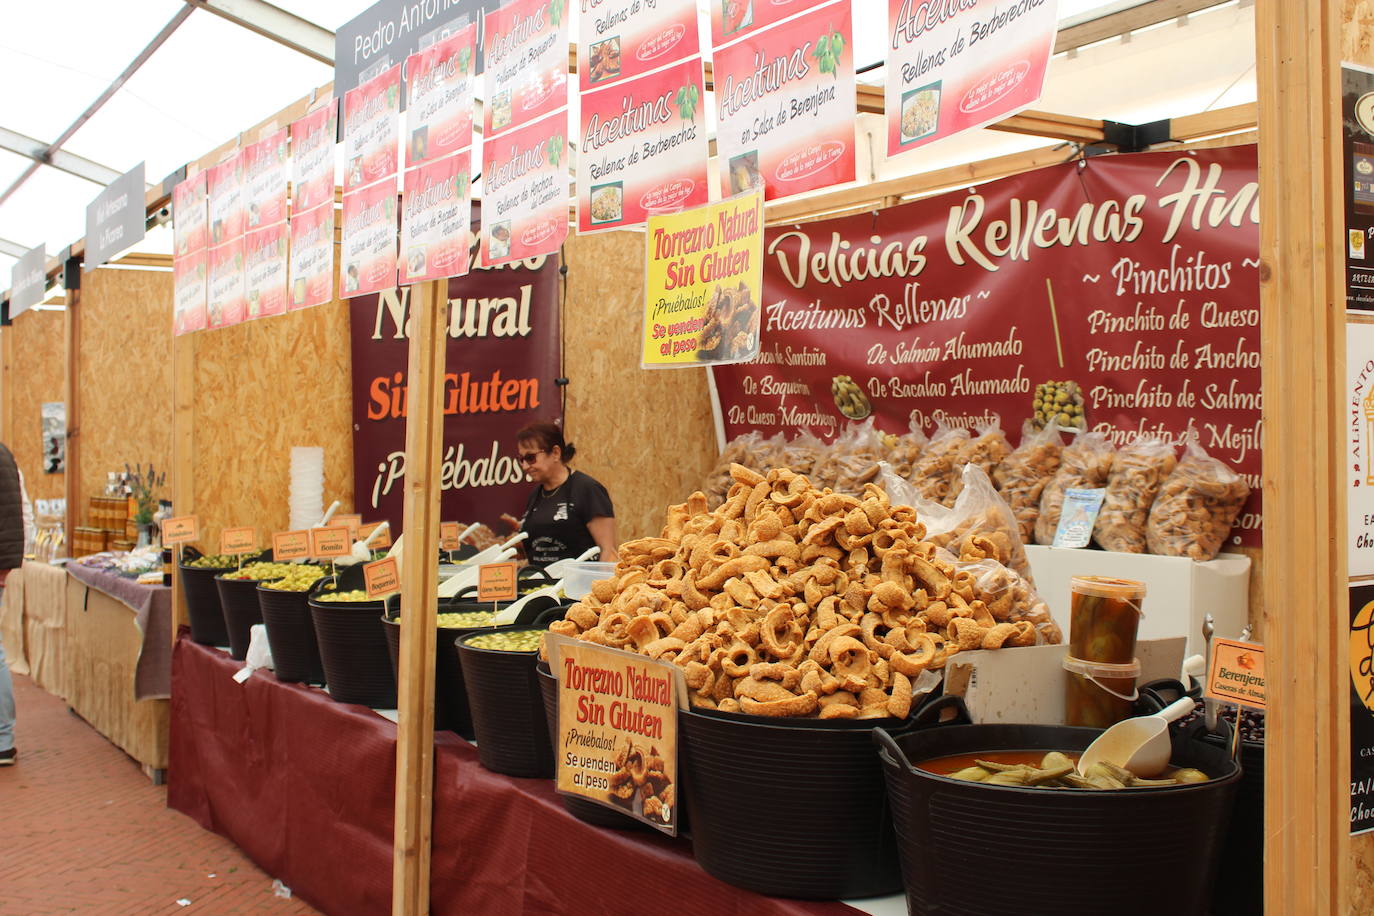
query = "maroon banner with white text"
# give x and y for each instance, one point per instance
(502, 360)
(1134, 276)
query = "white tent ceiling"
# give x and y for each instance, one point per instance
(211, 77)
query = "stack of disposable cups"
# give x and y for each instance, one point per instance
(307, 486)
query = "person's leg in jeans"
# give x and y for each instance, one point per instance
(6, 707)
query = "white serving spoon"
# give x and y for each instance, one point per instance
(1140, 745)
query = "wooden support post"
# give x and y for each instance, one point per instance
(183, 454)
(72, 395)
(1302, 299)
(419, 585)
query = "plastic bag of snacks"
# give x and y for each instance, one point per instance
(802, 453)
(852, 460)
(1138, 472)
(904, 450)
(744, 450)
(1022, 475)
(1085, 465)
(978, 512)
(1196, 507)
(987, 449)
(934, 473)
(1010, 598)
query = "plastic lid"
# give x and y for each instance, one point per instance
(1101, 669)
(1107, 587)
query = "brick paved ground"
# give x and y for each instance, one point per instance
(82, 830)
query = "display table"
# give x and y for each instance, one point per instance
(12, 622)
(118, 661)
(304, 785)
(43, 591)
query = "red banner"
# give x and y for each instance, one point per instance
(1133, 276)
(501, 364)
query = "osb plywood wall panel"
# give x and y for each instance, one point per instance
(35, 373)
(648, 436)
(125, 375)
(260, 389)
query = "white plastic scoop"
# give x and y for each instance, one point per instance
(1140, 745)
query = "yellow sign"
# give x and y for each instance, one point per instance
(180, 530)
(703, 280)
(334, 541)
(234, 542)
(290, 545)
(617, 729)
(496, 582)
(1236, 674)
(381, 578)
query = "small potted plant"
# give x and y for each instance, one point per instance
(143, 487)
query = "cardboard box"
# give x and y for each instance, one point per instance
(1027, 686)
(1179, 592)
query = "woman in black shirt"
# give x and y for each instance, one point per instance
(569, 512)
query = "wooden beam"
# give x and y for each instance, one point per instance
(1302, 308)
(1127, 21)
(419, 585)
(72, 395)
(183, 396)
(1211, 123)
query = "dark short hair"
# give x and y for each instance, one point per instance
(549, 436)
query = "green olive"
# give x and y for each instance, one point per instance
(508, 641)
(357, 595)
(468, 619)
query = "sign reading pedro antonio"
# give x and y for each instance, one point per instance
(617, 729)
(703, 281)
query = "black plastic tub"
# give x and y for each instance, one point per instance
(451, 711)
(1129, 852)
(832, 836)
(291, 634)
(580, 808)
(352, 643)
(202, 600)
(1240, 874)
(507, 710)
(238, 599)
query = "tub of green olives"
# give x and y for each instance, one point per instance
(507, 707)
(290, 631)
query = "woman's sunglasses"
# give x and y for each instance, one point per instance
(528, 457)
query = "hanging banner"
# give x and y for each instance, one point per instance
(265, 175)
(501, 365)
(617, 729)
(644, 148)
(224, 185)
(265, 279)
(440, 83)
(731, 19)
(525, 191)
(436, 213)
(952, 66)
(311, 272)
(368, 247)
(116, 219)
(389, 31)
(703, 281)
(1134, 277)
(28, 280)
(1361, 705)
(312, 158)
(526, 54)
(785, 105)
(622, 39)
(1357, 121)
(189, 291)
(190, 216)
(225, 289)
(370, 115)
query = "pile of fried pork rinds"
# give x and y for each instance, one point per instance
(793, 601)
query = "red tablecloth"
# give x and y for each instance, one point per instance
(304, 785)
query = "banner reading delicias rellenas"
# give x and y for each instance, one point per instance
(1124, 290)
(499, 376)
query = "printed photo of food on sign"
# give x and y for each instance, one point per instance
(640, 782)
(731, 328)
(1060, 403)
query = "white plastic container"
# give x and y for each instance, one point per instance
(579, 576)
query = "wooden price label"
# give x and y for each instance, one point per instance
(333, 541)
(235, 542)
(1236, 674)
(448, 535)
(180, 530)
(496, 582)
(351, 522)
(381, 577)
(290, 545)
(381, 541)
